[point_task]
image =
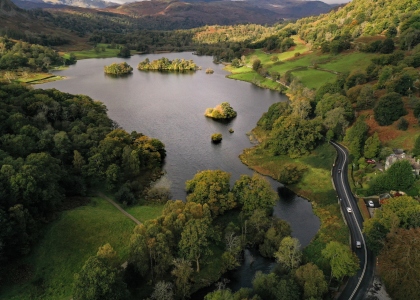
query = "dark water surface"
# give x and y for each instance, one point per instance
(170, 107)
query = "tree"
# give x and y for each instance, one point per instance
(389, 108)
(195, 241)
(312, 280)
(342, 261)
(162, 291)
(372, 146)
(256, 64)
(399, 263)
(254, 193)
(100, 278)
(211, 187)
(273, 237)
(387, 46)
(270, 286)
(366, 97)
(182, 272)
(400, 176)
(289, 254)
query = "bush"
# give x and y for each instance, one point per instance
(125, 196)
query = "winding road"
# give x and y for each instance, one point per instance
(358, 285)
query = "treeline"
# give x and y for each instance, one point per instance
(192, 243)
(164, 64)
(18, 55)
(358, 19)
(55, 145)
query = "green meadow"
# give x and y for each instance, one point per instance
(68, 242)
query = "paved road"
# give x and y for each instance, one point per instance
(357, 286)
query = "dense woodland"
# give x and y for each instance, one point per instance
(56, 145)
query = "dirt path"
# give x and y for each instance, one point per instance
(119, 208)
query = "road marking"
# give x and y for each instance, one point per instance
(357, 223)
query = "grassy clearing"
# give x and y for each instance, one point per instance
(257, 79)
(313, 78)
(144, 213)
(104, 52)
(349, 62)
(69, 242)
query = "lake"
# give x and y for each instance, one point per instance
(171, 106)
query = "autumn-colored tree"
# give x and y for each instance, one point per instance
(399, 263)
(211, 187)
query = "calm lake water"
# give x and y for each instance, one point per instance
(170, 107)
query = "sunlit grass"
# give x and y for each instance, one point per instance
(313, 78)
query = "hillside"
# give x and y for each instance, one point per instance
(19, 24)
(32, 4)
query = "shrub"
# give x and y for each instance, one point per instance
(402, 124)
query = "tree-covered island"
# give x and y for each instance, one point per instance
(221, 111)
(164, 64)
(118, 69)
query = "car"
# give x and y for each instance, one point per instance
(339, 171)
(370, 161)
(349, 210)
(358, 244)
(371, 204)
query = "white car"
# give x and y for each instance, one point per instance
(358, 244)
(349, 210)
(371, 204)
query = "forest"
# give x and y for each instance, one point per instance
(56, 145)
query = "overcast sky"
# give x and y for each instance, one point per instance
(335, 1)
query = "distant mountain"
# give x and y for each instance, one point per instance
(31, 4)
(193, 13)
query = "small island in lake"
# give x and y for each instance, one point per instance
(221, 111)
(164, 64)
(216, 138)
(118, 69)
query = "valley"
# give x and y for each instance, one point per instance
(350, 75)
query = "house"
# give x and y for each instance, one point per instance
(400, 155)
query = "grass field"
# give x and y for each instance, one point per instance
(69, 241)
(91, 53)
(313, 78)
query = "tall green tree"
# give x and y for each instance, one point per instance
(100, 278)
(372, 146)
(312, 281)
(389, 108)
(289, 254)
(183, 275)
(341, 260)
(195, 239)
(254, 193)
(211, 187)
